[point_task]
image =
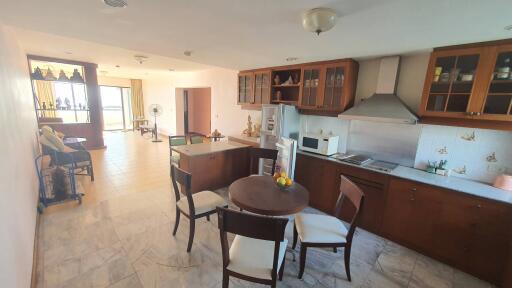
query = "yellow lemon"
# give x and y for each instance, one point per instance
(283, 174)
(289, 181)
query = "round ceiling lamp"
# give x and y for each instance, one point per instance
(319, 20)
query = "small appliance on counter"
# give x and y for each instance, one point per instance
(319, 143)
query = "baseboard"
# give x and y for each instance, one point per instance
(33, 282)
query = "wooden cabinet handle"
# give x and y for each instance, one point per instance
(479, 206)
(414, 189)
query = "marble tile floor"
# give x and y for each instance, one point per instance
(121, 237)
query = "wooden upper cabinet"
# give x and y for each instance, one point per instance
(324, 87)
(471, 83)
(245, 88)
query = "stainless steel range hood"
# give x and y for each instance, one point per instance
(384, 105)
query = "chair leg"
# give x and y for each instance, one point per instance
(281, 270)
(208, 218)
(347, 262)
(191, 234)
(177, 222)
(91, 173)
(295, 236)
(303, 251)
(334, 249)
(225, 280)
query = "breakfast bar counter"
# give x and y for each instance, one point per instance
(214, 165)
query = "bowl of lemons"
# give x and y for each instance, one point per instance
(282, 180)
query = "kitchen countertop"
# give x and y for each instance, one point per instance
(246, 138)
(453, 183)
(207, 148)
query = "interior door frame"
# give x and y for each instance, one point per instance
(122, 106)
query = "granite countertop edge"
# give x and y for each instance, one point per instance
(228, 145)
(466, 186)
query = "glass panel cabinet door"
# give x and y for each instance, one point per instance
(452, 83)
(333, 90)
(265, 88)
(258, 86)
(310, 87)
(241, 89)
(499, 96)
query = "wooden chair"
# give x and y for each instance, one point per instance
(196, 138)
(256, 154)
(257, 253)
(193, 206)
(177, 140)
(328, 231)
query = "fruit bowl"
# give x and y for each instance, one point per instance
(282, 181)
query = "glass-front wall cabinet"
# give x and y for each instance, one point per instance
(60, 92)
(262, 87)
(245, 88)
(452, 83)
(310, 87)
(333, 90)
(499, 95)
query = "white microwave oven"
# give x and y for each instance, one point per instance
(318, 143)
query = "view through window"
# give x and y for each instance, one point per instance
(117, 108)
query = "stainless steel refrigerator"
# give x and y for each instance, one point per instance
(280, 126)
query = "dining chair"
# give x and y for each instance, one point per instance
(327, 231)
(177, 140)
(257, 253)
(192, 206)
(196, 138)
(256, 153)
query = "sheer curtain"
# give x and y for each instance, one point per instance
(137, 99)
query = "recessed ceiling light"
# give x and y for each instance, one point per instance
(290, 59)
(187, 53)
(170, 69)
(117, 66)
(140, 58)
(508, 28)
(116, 3)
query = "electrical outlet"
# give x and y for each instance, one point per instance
(496, 168)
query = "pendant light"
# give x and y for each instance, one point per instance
(49, 75)
(319, 20)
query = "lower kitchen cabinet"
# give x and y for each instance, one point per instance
(467, 232)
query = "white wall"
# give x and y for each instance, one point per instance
(18, 180)
(114, 81)
(227, 116)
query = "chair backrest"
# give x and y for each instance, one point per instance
(251, 226)
(261, 153)
(177, 140)
(349, 191)
(196, 138)
(182, 178)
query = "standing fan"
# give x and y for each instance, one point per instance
(155, 110)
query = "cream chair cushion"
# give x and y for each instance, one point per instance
(254, 257)
(44, 141)
(52, 138)
(313, 228)
(204, 201)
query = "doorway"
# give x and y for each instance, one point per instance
(117, 108)
(193, 110)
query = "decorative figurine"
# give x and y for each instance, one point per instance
(492, 157)
(257, 130)
(278, 95)
(277, 80)
(58, 103)
(68, 103)
(248, 131)
(289, 81)
(51, 105)
(296, 78)
(44, 105)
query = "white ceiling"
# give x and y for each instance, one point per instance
(242, 34)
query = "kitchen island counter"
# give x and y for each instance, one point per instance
(214, 165)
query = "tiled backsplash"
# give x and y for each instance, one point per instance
(476, 154)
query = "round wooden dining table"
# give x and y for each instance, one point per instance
(261, 195)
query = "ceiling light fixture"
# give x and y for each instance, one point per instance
(140, 58)
(187, 53)
(170, 69)
(508, 28)
(116, 3)
(291, 59)
(319, 20)
(117, 66)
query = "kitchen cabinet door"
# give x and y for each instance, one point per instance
(411, 212)
(451, 83)
(261, 87)
(496, 103)
(245, 88)
(311, 88)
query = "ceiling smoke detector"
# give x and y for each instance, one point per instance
(187, 53)
(116, 3)
(140, 58)
(291, 59)
(319, 20)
